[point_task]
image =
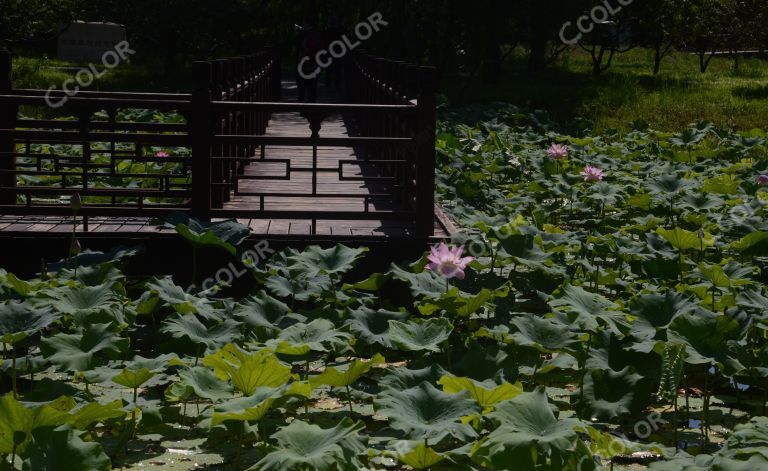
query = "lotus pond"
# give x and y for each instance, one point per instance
(613, 317)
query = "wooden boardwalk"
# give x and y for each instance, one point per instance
(328, 181)
(256, 180)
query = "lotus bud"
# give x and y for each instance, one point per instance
(76, 202)
(75, 248)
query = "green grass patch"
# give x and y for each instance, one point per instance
(671, 100)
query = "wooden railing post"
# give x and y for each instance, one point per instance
(202, 135)
(7, 144)
(277, 74)
(426, 123)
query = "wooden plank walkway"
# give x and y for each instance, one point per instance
(277, 158)
(328, 181)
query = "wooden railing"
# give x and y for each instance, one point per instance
(386, 82)
(120, 168)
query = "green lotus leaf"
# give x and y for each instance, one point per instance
(19, 320)
(701, 202)
(89, 304)
(608, 394)
(95, 412)
(682, 461)
(752, 243)
(753, 299)
(180, 301)
(297, 285)
(685, 240)
(224, 234)
(248, 371)
(19, 421)
(462, 305)
(545, 335)
(341, 378)
(372, 326)
(302, 446)
(525, 250)
(404, 378)
(487, 393)
(747, 439)
(21, 287)
(204, 383)
(373, 283)
(215, 337)
(133, 379)
(590, 311)
(262, 311)
(63, 450)
(78, 352)
(721, 185)
(89, 258)
(654, 312)
(531, 436)
(706, 336)
(157, 364)
(251, 408)
(668, 184)
(427, 283)
(425, 412)
(320, 335)
(607, 445)
(332, 261)
(728, 276)
(426, 335)
(688, 138)
(421, 457)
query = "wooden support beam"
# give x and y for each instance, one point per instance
(425, 166)
(8, 116)
(202, 133)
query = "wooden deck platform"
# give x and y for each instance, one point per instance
(256, 180)
(12, 225)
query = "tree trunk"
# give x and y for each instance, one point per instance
(537, 60)
(657, 57)
(597, 61)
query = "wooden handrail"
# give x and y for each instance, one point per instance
(392, 105)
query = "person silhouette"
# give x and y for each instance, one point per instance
(310, 41)
(334, 31)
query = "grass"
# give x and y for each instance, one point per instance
(43, 73)
(678, 96)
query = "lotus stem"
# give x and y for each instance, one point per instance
(676, 422)
(194, 265)
(13, 372)
(705, 410)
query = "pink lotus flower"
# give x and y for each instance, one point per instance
(448, 262)
(162, 155)
(762, 180)
(557, 152)
(592, 174)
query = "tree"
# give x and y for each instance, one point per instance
(702, 29)
(657, 24)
